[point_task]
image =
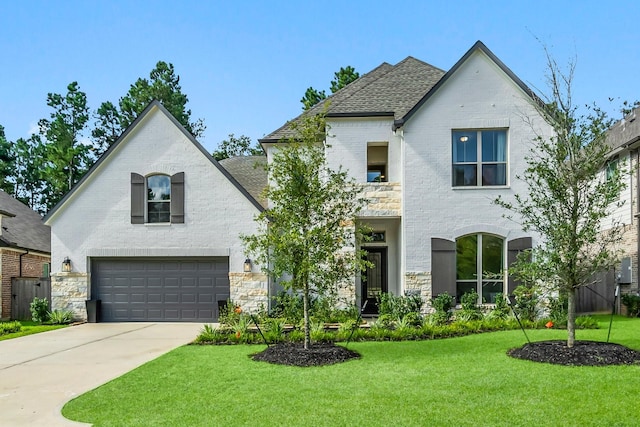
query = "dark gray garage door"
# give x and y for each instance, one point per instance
(160, 289)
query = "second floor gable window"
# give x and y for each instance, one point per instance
(158, 198)
(479, 158)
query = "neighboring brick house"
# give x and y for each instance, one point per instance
(624, 140)
(432, 149)
(25, 247)
(152, 230)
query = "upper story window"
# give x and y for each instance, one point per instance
(158, 198)
(479, 158)
(377, 162)
(612, 168)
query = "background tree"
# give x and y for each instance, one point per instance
(240, 146)
(310, 231)
(7, 160)
(571, 196)
(164, 85)
(341, 78)
(67, 156)
(29, 181)
(108, 127)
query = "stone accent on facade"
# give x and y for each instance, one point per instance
(419, 282)
(10, 266)
(69, 292)
(250, 291)
(385, 199)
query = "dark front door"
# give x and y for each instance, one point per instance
(374, 281)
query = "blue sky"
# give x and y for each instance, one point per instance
(245, 64)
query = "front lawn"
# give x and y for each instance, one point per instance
(28, 328)
(467, 381)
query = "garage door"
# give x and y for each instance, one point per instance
(160, 289)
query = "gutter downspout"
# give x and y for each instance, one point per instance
(20, 267)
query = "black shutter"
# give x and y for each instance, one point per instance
(137, 198)
(177, 198)
(514, 247)
(443, 267)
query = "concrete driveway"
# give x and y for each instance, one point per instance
(40, 373)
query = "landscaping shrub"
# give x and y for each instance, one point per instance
(397, 307)
(526, 304)
(586, 322)
(501, 309)
(558, 309)
(39, 310)
(443, 304)
(60, 317)
(632, 302)
(10, 327)
(469, 307)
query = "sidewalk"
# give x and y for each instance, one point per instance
(40, 373)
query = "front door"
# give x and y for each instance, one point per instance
(374, 281)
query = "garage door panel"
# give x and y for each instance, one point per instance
(155, 289)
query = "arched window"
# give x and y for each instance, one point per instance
(158, 198)
(480, 266)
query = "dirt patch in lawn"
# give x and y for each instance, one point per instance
(583, 353)
(294, 354)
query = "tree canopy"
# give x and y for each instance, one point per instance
(236, 146)
(341, 78)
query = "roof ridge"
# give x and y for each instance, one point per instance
(413, 58)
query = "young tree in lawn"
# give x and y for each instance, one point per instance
(309, 234)
(240, 146)
(570, 196)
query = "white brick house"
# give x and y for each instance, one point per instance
(432, 150)
(152, 231)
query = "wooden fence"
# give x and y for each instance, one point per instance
(597, 297)
(23, 291)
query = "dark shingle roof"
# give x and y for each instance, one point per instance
(387, 90)
(25, 230)
(250, 173)
(625, 131)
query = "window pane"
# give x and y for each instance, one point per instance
(465, 146)
(494, 174)
(464, 175)
(490, 290)
(492, 255)
(494, 146)
(467, 258)
(158, 187)
(464, 287)
(159, 212)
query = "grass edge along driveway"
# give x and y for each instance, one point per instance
(467, 381)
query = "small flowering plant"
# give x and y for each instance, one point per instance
(549, 324)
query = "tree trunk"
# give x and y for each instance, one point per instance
(571, 317)
(307, 326)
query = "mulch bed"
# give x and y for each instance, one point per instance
(583, 353)
(294, 354)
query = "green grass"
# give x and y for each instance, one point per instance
(29, 328)
(468, 381)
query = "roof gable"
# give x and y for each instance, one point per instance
(25, 229)
(153, 106)
(478, 46)
(387, 90)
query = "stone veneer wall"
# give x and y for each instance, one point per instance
(249, 290)
(69, 292)
(385, 199)
(420, 281)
